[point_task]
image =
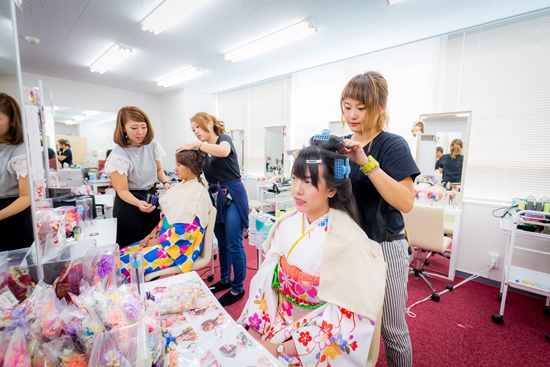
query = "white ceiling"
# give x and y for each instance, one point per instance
(73, 34)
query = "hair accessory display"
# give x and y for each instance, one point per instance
(324, 136)
(341, 168)
(114, 358)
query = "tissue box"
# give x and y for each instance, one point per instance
(70, 177)
(65, 269)
(18, 272)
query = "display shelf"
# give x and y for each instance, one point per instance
(529, 280)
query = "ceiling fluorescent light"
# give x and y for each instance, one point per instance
(180, 77)
(115, 55)
(168, 13)
(274, 40)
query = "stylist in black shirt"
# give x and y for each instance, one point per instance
(64, 154)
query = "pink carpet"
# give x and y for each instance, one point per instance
(458, 331)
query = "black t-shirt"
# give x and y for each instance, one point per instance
(395, 158)
(69, 160)
(51, 153)
(218, 169)
(452, 168)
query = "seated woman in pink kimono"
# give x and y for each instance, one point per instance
(178, 238)
(315, 298)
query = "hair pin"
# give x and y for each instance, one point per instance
(324, 136)
(341, 168)
(314, 161)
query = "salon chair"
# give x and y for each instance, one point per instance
(205, 257)
(425, 230)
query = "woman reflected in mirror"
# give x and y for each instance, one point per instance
(64, 153)
(15, 197)
(418, 128)
(450, 165)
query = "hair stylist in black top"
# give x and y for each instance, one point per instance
(223, 174)
(382, 176)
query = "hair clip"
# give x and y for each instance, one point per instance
(341, 168)
(324, 136)
(314, 161)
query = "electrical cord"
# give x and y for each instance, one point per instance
(408, 311)
(507, 211)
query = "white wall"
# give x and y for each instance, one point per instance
(70, 130)
(430, 76)
(253, 108)
(177, 109)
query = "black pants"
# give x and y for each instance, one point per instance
(16, 231)
(133, 224)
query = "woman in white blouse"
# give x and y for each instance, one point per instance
(134, 165)
(15, 199)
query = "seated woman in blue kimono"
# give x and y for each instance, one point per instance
(178, 238)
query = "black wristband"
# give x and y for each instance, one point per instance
(165, 182)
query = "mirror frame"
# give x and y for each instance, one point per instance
(26, 139)
(465, 139)
(266, 130)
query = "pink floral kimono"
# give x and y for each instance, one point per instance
(285, 300)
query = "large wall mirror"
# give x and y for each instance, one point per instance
(440, 130)
(10, 84)
(275, 150)
(238, 141)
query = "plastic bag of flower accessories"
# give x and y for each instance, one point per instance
(122, 347)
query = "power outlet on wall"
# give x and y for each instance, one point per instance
(494, 256)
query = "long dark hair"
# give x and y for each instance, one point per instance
(327, 151)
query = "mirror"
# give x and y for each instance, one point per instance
(440, 130)
(90, 133)
(238, 141)
(274, 150)
(10, 83)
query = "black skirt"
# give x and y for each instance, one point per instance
(16, 231)
(133, 224)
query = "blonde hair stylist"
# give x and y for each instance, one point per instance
(222, 173)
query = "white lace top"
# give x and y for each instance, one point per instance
(138, 163)
(13, 165)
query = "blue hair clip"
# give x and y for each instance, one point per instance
(341, 168)
(324, 136)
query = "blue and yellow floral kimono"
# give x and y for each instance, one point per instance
(181, 228)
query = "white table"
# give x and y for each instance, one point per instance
(98, 183)
(102, 230)
(195, 321)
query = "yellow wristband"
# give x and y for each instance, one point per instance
(367, 168)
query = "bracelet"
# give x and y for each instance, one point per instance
(372, 170)
(199, 146)
(370, 166)
(165, 182)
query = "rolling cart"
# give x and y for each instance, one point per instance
(520, 277)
